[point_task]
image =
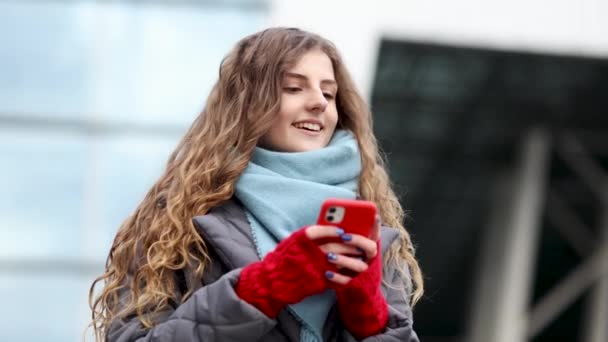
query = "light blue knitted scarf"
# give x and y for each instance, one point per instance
(282, 192)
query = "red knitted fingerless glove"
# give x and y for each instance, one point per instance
(293, 271)
(361, 304)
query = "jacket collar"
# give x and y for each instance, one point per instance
(227, 230)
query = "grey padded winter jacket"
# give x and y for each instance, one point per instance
(214, 312)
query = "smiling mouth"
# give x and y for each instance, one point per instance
(308, 126)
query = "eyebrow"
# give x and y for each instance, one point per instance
(302, 77)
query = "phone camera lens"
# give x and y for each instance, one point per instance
(332, 210)
(330, 218)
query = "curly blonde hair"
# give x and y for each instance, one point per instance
(159, 237)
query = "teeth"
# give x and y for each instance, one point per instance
(308, 125)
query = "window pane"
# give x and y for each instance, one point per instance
(42, 178)
(152, 63)
(49, 308)
(143, 71)
(126, 169)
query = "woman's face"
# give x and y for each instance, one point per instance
(308, 115)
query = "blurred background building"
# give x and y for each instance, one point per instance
(493, 115)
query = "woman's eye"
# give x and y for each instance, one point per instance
(292, 89)
(328, 96)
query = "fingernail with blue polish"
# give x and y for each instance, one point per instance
(331, 256)
(346, 237)
(329, 274)
(339, 231)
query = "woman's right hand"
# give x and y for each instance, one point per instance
(297, 268)
(348, 255)
(302, 265)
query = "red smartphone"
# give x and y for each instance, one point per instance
(354, 216)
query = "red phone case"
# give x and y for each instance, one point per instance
(358, 216)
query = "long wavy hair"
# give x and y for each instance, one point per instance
(159, 237)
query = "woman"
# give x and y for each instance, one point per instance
(222, 247)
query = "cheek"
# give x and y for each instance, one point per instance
(288, 111)
(334, 118)
(283, 117)
(281, 125)
(283, 114)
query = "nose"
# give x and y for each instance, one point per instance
(317, 102)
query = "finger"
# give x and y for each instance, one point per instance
(368, 246)
(342, 261)
(337, 277)
(315, 232)
(339, 248)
